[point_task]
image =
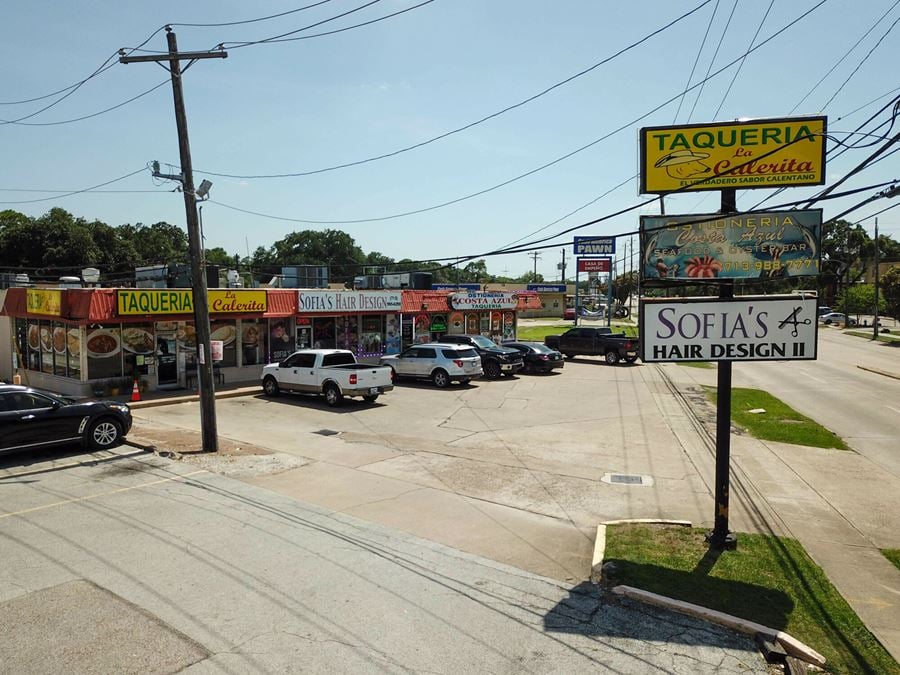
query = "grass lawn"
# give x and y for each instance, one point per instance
(892, 554)
(779, 423)
(538, 333)
(890, 337)
(770, 580)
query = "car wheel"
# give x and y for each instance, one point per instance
(333, 395)
(827, 322)
(370, 399)
(612, 358)
(270, 386)
(569, 356)
(492, 370)
(440, 378)
(104, 433)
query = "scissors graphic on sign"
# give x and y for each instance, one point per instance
(794, 320)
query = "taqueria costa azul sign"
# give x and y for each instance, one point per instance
(486, 300)
(747, 328)
(760, 153)
(770, 244)
(141, 301)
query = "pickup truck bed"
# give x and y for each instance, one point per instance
(613, 347)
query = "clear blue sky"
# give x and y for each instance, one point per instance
(303, 105)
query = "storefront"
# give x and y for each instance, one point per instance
(364, 322)
(429, 315)
(98, 341)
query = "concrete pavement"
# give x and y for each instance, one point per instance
(139, 564)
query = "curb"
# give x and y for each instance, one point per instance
(600, 540)
(790, 644)
(190, 398)
(879, 372)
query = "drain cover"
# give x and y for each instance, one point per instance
(327, 432)
(627, 479)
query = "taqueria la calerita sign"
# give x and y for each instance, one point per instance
(761, 153)
(47, 301)
(771, 244)
(747, 328)
(141, 301)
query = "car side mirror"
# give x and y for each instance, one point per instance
(55, 405)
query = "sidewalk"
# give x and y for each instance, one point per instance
(835, 503)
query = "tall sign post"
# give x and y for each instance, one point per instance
(729, 246)
(590, 248)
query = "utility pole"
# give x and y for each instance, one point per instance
(536, 256)
(875, 328)
(195, 243)
(562, 266)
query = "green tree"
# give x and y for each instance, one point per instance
(889, 289)
(161, 242)
(333, 248)
(219, 256)
(859, 299)
(531, 278)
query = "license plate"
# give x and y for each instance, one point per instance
(373, 390)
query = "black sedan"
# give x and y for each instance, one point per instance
(31, 419)
(539, 358)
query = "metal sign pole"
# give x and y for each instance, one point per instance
(721, 538)
(577, 269)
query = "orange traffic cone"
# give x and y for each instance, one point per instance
(135, 392)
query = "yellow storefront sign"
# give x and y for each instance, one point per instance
(44, 301)
(763, 153)
(180, 301)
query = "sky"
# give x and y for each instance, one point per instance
(304, 105)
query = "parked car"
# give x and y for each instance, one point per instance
(32, 418)
(569, 313)
(495, 360)
(825, 310)
(836, 317)
(333, 373)
(538, 357)
(613, 347)
(440, 362)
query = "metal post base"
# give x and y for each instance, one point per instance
(728, 542)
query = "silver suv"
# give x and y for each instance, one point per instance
(436, 361)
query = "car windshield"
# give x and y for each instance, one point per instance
(539, 348)
(483, 342)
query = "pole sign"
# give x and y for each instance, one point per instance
(594, 265)
(761, 153)
(546, 288)
(761, 245)
(747, 328)
(595, 245)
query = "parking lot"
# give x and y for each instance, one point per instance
(517, 469)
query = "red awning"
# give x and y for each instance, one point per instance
(415, 301)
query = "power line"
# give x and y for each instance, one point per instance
(713, 59)
(627, 125)
(696, 60)
(77, 192)
(741, 65)
(481, 120)
(257, 19)
(846, 54)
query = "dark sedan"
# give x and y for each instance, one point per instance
(539, 358)
(31, 419)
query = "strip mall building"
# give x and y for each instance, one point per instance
(86, 342)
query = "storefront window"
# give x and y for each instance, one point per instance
(438, 326)
(423, 328)
(138, 346)
(347, 333)
(472, 324)
(509, 325)
(371, 337)
(226, 331)
(456, 325)
(281, 339)
(304, 333)
(58, 340)
(323, 331)
(392, 334)
(73, 347)
(104, 352)
(252, 342)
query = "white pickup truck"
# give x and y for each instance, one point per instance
(334, 373)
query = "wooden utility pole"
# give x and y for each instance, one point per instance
(195, 241)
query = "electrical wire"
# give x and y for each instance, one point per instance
(457, 200)
(78, 192)
(256, 20)
(481, 120)
(248, 43)
(841, 60)
(696, 60)
(713, 60)
(741, 65)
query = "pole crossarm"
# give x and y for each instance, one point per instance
(179, 56)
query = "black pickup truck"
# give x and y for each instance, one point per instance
(613, 347)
